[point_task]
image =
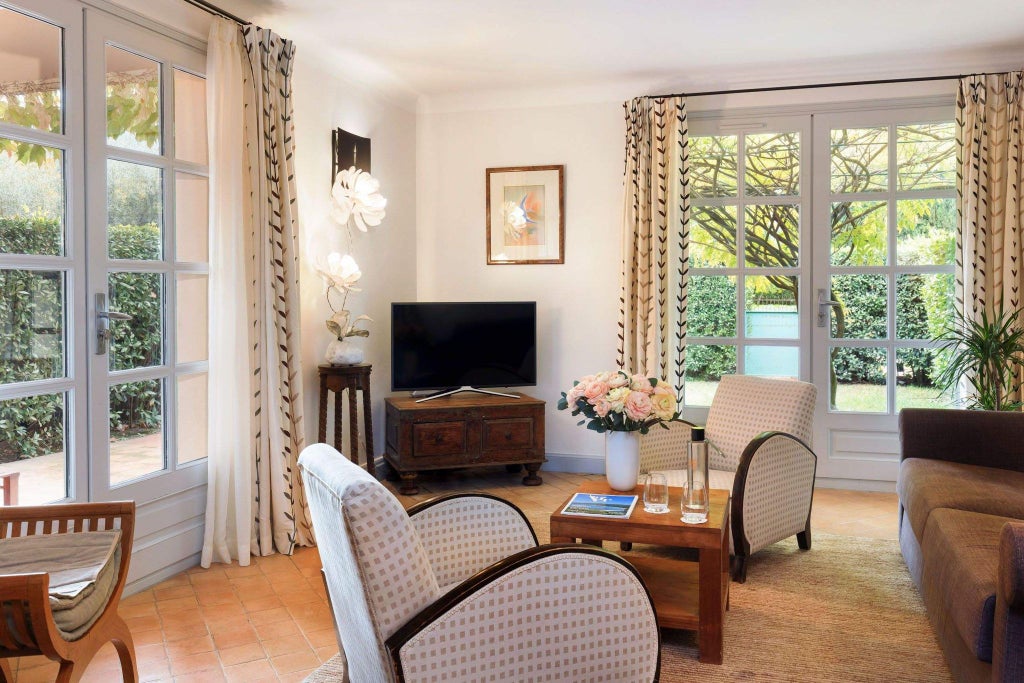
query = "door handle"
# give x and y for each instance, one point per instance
(103, 318)
(824, 303)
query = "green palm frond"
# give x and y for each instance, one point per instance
(989, 353)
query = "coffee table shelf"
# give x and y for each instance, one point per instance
(687, 595)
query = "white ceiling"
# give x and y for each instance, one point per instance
(438, 48)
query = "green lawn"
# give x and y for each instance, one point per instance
(861, 398)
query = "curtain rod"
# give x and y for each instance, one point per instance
(809, 86)
(213, 9)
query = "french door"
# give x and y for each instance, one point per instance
(821, 247)
(103, 258)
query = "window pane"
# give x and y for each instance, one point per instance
(32, 442)
(865, 304)
(191, 218)
(713, 165)
(31, 325)
(31, 199)
(712, 306)
(192, 405)
(133, 101)
(860, 159)
(773, 164)
(859, 235)
(713, 237)
(925, 231)
(189, 117)
(30, 88)
(705, 365)
(134, 211)
(773, 235)
(136, 343)
(860, 376)
(771, 361)
(192, 317)
(771, 309)
(916, 370)
(924, 304)
(136, 430)
(926, 156)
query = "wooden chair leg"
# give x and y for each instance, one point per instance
(67, 673)
(6, 675)
(803, 539)
(739, 569)
(125, 647)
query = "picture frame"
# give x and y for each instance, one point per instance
(526, 215)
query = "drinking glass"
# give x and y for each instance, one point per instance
(656, 493)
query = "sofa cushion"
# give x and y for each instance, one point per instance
(924, 485)
(82, 568)
(961, 563)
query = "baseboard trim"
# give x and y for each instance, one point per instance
(876, 485)
(150, 580)
(574, 464)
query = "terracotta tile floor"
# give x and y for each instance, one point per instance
(270, 621)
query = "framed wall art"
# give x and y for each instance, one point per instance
(526, 215)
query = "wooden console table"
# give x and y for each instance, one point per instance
(338, 378)
(462, 431)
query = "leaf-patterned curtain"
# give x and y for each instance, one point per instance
(656, 211)
(281, 513)
(255, 501)
(989, 113)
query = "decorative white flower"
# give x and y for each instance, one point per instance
(342, 272)
(356, 195)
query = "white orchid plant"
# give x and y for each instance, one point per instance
(340, 274)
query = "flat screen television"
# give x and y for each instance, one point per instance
(441, 346)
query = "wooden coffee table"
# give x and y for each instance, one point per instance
(687, 595)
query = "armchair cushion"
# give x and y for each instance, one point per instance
(745, 406)
(82, 569)
(463, 534)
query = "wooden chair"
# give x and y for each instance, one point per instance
(9, 483)
(27, 624)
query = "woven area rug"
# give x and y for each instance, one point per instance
(846, 610)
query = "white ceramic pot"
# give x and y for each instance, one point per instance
(343, 352)
(622, 460)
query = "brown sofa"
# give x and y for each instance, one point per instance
(961, 518)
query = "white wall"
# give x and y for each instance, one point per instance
(386, 254)
(577, 305)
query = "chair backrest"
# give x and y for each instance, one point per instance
(745, 406)
(378, 574)
(664, 449)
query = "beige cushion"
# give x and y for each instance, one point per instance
(961, 562)
(925, 485)
(83, 572)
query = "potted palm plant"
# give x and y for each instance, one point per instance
(989, 353)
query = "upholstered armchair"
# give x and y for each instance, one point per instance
(759, 431)
(457, 589)
(62, 571)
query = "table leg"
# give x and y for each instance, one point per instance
(337, 421)
(353, 425)
(371, 456)
(322, 431)
(710, 610)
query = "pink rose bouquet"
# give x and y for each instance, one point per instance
(617, 401)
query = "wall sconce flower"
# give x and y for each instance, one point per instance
(356, 197)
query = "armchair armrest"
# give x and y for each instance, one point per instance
(575, 613)
(1008, 638)
(775, 477)
(463, 533)
(974, 437)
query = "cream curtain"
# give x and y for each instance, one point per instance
(656, 211)
(255, 501)
(989, 115)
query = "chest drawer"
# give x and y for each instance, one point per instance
(438, 438)
(508, 434)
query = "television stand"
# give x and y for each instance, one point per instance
(451, 392)
(464, 430)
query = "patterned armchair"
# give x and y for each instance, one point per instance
(759, 430)
(457, 589)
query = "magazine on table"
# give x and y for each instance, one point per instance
(600, 505)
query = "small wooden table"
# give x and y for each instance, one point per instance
(687, 595)
(338, 378)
